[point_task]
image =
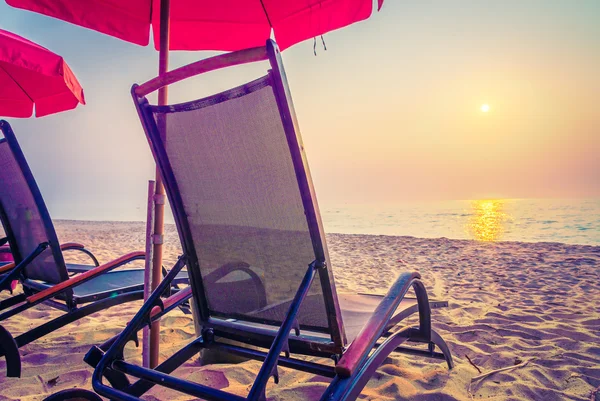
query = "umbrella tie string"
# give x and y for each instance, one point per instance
(315, 44)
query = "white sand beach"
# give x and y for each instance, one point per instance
(532, 308)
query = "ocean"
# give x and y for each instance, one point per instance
(571, 221)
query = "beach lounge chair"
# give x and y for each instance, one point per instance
(238, 182)
(39, 264)
(38, 260)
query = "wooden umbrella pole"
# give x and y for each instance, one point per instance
(159, 210)
(148, 269)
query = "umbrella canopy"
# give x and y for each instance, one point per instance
(209, 24)
(32, 75)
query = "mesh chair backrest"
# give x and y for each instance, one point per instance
(227, 163)
(24, 215)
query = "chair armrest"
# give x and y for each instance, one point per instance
(71, 245)
(172, 301)
(81, 248)
(83, 277)
(7, 267)
(358, 351)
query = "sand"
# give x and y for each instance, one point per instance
(531, 307)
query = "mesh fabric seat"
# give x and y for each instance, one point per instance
(356, 310)
(106, 285)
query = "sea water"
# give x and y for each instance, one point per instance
(529, 220)
(573, 221)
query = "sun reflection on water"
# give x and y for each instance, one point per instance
(487, 222)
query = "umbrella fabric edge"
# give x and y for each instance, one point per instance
(124, 22)
(34, 77)
(316, 23)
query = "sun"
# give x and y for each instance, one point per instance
(485, 108)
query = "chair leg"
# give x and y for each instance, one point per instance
(441, 344)
(73, 394)
(347, 389)
(77, 314)
(10, 351)
(116, 379)
(12, 301)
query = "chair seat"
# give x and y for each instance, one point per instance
(106, 284)
(77, 268)
(71, 267)
(356, 309)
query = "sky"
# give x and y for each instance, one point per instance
(390, 112)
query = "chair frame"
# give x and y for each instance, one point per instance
(352, 367)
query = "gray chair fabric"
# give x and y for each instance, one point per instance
(235, 175)
(20, 212)
(115, 281)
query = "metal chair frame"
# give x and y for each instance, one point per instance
(350, 367)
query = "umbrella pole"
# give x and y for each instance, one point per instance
(159, 211)
(148, 269)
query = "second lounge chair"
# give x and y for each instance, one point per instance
(78, 290)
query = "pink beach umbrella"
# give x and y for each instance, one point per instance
(31, 75)
(221, 25)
